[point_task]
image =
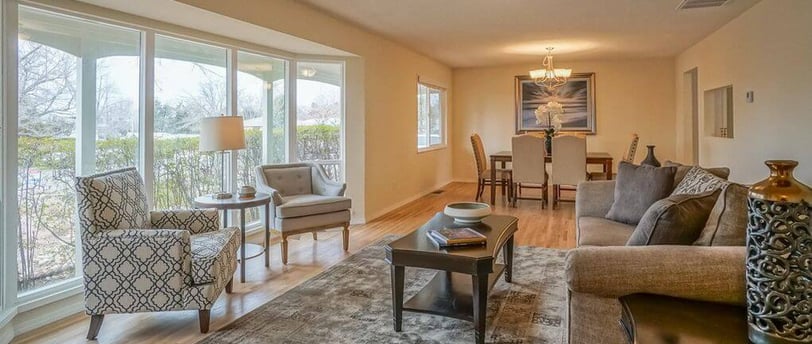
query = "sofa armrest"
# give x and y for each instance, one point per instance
(702, 273)
(195, 221)
(594, 198)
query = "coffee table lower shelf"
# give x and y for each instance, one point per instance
(450, 294)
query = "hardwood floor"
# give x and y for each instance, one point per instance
(537, 227)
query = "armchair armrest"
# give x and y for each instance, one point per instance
(693, 272)
(195, 221)
(139, 263)
(323, 185)
(594, 198)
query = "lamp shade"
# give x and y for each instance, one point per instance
(221, 133)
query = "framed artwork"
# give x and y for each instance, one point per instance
(577, 97)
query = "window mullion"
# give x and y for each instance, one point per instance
(291, 142)
(146, 122)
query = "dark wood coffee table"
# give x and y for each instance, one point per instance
(461, 290)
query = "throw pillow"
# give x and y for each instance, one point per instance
(676, 220)
(697, 180)
(682, 170)
(727, 223)
(637, 188)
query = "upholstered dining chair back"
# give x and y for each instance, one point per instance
(629, 157)
(569, 160)
(479, 154)
(528, 159)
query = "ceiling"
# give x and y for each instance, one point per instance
(468, 33)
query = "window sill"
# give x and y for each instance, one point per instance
(431, 148)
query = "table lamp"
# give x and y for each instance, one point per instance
(222, 134)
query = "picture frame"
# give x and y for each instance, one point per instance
(577, 96)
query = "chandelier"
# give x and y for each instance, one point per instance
(549, 76)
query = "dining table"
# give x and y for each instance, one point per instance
(592, 158)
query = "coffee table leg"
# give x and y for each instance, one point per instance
(397, 295)
(507, 251)
(480, 294)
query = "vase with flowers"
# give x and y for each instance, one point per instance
(549, 116)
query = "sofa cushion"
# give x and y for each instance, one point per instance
(598, 231)
(637, 188)
(727, 223)
(682, 170)
(306, 205)
(290, 180)
(212, 252)
(676, 220)
(698, 180)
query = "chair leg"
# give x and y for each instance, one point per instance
(230, 286)
(345, 236)
(315, 236)
(284, 245)
(204, 315)
(478, 189)
(95, 326)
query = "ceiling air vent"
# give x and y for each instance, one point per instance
(690, 4)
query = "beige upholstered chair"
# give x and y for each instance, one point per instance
(304, 200)
(483, 171)
(528, 167)
(569, 163)
(136, 260)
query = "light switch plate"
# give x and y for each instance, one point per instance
(749, 96)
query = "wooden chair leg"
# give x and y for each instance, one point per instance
(203, 316)
(284, 245)
(95, 326)
(345, 236)
(478, 189)
(315, 236)
(230, 286)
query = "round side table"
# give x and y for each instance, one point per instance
(235, 202)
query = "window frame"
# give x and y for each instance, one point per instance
(10, 299)
(443, 118)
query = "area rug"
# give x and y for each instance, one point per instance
(351, 303)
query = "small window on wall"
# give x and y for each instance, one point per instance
(719, 112)
(430, 117)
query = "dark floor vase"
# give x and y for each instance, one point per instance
(779, 258)
(650, 159)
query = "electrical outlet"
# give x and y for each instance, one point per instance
(749, 96)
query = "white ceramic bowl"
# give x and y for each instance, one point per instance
(467, 212)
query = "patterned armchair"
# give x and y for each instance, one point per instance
(136, 260)
(304, 200)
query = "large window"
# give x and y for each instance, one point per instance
(430, 116)
(84, 95)
(319, 112)
(78, 113)
(190, 83)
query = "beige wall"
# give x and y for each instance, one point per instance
(382, 130)
(768, 50)
(632, 96)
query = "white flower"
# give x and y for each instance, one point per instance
(549, 115)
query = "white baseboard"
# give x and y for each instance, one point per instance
(408, 200)
(44, 315)
(6, 328)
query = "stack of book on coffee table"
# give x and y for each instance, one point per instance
(448, 237)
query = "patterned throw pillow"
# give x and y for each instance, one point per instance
(697, 181)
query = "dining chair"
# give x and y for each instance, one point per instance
(503, 176)
(528, 167)
(569, 164)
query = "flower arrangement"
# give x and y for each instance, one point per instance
(549, 116)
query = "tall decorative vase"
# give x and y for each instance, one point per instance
(779, 258)
(650, 158)
(548, 144)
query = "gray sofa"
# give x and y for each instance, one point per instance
(601, 269)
